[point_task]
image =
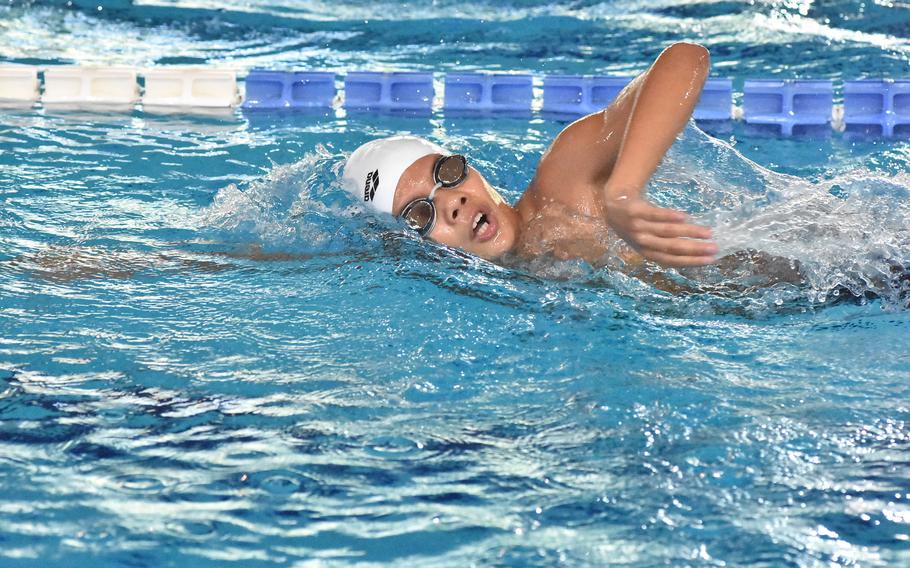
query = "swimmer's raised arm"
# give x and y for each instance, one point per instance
(618, 149)
(663, 101)
(663, 104)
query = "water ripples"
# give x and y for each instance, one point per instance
(832, 40)
(206, 479)
(208, 354)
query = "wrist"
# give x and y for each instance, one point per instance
(615, 191)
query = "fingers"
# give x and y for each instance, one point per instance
(676, 246)
(678, 252)
(664, 236)
(644, 210)
(644, 213)
(674, 261)
(671, 230)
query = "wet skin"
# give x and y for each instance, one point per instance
(592, 177)
(457, 208)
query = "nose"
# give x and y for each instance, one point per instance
(452, 205)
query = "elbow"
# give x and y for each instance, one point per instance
(691, 55)
(688, 49)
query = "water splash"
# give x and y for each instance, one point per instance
(843, 235)
(297, 208)
(781, 238)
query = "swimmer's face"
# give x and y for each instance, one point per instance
(458, 207)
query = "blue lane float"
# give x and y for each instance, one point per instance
(716, 102)
(579, 95)
(789, 107)
(488, 92)
(877, 107)
(289, 90)
(366, 90)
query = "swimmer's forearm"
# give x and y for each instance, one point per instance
(663, 105)
(663, 100)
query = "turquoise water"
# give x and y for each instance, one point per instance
(359, 397)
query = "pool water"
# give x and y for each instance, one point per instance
(350, 395)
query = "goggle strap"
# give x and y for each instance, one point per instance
(433, 193)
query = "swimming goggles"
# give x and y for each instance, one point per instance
(420, 214)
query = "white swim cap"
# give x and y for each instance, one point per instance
(373, 170)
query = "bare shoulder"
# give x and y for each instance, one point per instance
(578, 162)
(553, 184)
(583, 155)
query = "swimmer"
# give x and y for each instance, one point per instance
(585, 201)
(591, 178)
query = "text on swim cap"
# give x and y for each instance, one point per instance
(372, 183)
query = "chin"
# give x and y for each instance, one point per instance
(501, 244)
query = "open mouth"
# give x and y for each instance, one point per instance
(483, 227)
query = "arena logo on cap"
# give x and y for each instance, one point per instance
(371, 185)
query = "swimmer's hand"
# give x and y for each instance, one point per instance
(659, 234)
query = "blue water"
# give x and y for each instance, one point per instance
(353, 396)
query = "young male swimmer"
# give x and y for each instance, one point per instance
(591, 178)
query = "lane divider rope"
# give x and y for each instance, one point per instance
(789, 107)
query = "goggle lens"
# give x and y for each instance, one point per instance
(451, 170)
(420, 215)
